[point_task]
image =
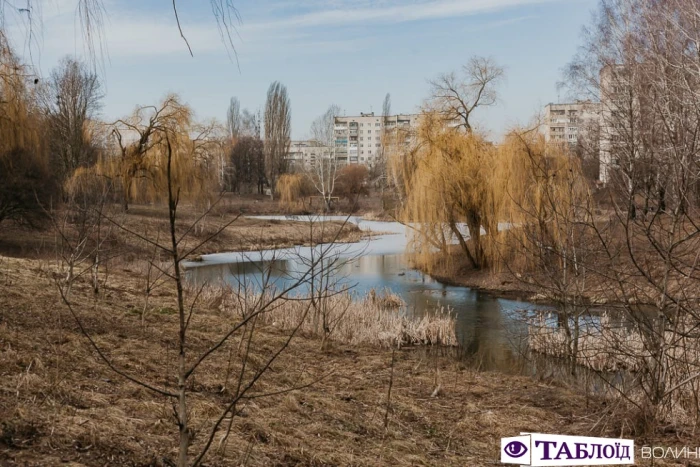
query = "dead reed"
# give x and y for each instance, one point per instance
(376, 319)
(608, 346)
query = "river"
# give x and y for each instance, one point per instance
(491, 329)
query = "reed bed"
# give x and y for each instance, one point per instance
(607, 346)
(601, 347)
(375, 319)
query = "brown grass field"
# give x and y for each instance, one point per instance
(60, 405)
(244, 234)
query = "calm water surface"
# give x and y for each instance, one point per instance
(491, 329)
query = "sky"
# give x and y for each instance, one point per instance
(349, 53)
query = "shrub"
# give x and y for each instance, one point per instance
(352, 181)
(27, 188)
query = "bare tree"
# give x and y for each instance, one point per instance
(250, 124)
(457, 95)
(386, 106)
(71, 99)
(637, 59)
(324, 173)
(278, 128)
(247, 309)
(80, 227)
(381, 168)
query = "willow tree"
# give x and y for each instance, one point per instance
(551, 239)
(142, 138)
(26, 184)
(455, 179)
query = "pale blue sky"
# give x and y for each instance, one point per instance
(346, 52)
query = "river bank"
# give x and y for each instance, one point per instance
(243, 234)
(510, 284)
(60, 404)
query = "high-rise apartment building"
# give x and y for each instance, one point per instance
(565, 122)
(305, 154)
(621, 110)
(359, 140)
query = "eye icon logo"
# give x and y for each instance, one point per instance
(515, 449)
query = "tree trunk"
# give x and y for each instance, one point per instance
(463, 244)
(474, 225)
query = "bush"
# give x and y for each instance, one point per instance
(27, 188)
(292, 189)
(352, 181)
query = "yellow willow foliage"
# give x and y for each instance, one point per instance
(86, 187)
(455, 179)
(155, 134)
(19, 121)
(548, 200)
(452, 179)
(290, 188)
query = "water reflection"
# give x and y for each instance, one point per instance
(489, 328)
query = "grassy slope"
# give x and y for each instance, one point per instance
(58, 403)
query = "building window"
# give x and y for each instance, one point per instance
(377, 124)
(362, 152)
(369, 131)
(361, 138)
(369, 152)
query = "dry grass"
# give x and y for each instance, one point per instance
(60, 405)
(245, 234)
(377, 319)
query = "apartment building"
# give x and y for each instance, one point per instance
(359, 139)
(620, 109)
(304, 154)
(565, 122)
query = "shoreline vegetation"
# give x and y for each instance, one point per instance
(245, 234)
(392, 394)
(60, 404)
